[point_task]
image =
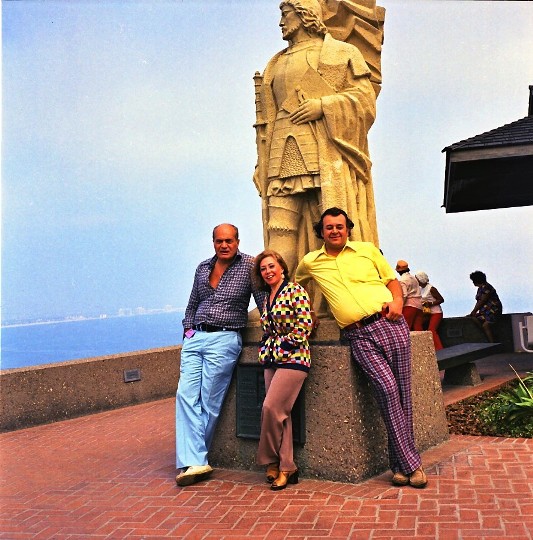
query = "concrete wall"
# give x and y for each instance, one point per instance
(52, 392)
(345, 437)
(458, 330)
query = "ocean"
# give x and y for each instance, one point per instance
(47, 343)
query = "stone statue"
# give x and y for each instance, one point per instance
(315, 104)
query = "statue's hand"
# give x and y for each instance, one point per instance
(309, 110)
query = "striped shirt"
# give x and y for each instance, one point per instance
(227, 305)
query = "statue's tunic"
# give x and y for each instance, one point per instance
(293, 165)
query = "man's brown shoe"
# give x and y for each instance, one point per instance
(400, 479)
(418, 478)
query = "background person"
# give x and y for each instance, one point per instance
(216, 312)
(431, 299)
(366, 301)
(284, 352)
(488, 306)
(412, 301)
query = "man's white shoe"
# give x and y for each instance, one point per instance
(193, 474)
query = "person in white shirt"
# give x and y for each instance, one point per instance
(431, 301)
(412, 301)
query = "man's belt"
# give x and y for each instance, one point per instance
(364, 322)
(204, 327)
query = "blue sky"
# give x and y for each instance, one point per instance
(127, 135)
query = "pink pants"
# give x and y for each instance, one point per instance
(413, 317)
(275, 443)
(434, 321)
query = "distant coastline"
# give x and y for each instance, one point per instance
(34, 343)
(76, 318)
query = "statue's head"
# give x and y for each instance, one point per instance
(310, 13)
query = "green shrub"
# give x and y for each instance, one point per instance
(510, 413)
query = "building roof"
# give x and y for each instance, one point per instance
(513, 134)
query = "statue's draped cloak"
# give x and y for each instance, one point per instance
(348, 113)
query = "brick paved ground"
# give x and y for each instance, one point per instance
(111, 475)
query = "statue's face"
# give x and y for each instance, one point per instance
(289, 23)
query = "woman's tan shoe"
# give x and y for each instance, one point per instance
(284, 478)
(272, 472)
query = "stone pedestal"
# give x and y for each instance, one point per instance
(345, 439)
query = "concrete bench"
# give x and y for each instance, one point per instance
(457, 362)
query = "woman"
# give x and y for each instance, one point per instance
(488, 306)
(284, 352)
(431, 301)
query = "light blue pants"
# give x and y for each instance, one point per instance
(207, 363)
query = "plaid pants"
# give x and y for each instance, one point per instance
(383, 351)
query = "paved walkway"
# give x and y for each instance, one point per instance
(111, 476)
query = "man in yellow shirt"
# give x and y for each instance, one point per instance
(366, 301)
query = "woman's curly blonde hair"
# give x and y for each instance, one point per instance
(258, 279)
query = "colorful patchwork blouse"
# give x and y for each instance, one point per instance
(287, 325)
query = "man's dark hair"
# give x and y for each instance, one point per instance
(478, 277)
(334, 211)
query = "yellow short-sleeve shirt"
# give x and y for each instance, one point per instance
(354, 282)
